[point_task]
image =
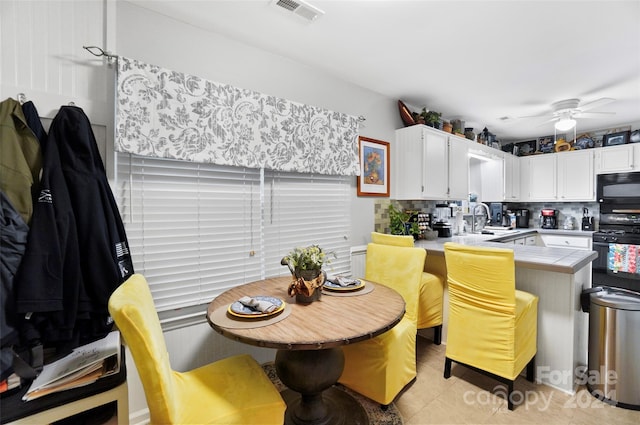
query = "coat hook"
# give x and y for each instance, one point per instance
(22, 98)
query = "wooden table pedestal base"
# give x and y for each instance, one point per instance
(311, 398)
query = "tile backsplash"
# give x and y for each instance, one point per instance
(565, 209)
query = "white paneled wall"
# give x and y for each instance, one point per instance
(358, 260)
(43, 58)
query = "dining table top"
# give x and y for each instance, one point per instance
(329, 322)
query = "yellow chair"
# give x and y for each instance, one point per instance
(234, 390)
(431, 289)
(492, 326)
(379, 368)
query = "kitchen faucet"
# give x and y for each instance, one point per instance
(473, 220)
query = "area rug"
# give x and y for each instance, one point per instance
(377, 416)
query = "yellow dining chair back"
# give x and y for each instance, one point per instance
(431, 294)
(379, 368)
(233, 390)
(492, 326)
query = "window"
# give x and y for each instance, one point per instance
(196, 230)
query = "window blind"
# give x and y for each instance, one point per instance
(306, 209)
(196, 230)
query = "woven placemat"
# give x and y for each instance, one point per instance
(221, 317)
(368, 287)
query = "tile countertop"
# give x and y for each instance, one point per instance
(560, 260)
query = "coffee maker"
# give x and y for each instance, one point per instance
(498, 213)
(549, 219)
(522, 218)
(442, 224)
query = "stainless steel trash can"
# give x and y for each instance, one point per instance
(614, 347)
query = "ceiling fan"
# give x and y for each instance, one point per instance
(565, 112)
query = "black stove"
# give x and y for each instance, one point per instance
(618, 245)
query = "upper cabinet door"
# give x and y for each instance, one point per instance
(436, 166)
(458, 169)
(576, 179)
(614, 159)
(407, 153)
(542, 177)
(511, 178)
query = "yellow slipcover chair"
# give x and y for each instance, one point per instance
(233, 390)
(379, 368)
(492, 326)
(431, 289)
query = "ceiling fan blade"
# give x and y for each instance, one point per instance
(596, 103)
(593, 114)
(546, 121)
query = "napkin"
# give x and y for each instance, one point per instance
(258, 305)
(343, 281)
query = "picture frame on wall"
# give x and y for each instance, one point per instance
(614, 139)
(374, 167)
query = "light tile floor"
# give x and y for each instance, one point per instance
(468, 397)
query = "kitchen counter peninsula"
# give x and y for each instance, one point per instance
(557, 276)
(561, 260)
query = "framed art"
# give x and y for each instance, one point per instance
(546, 144)
(526, 148)
(374, 167)
(615, 138)
(584, 141)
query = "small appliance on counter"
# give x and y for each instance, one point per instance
(587, 221)
(522, 219)
(549, 219)
(569, 223)
(498, 216)
(442, 224)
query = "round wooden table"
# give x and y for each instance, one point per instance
(309, 360)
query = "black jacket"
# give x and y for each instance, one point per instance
(13, 240)
(49, 281)
(90, 245)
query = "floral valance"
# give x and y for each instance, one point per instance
(168, 114)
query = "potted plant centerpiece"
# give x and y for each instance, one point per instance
(305, 265)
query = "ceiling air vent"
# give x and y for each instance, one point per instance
(300, 8)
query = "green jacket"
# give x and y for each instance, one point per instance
(20, 159)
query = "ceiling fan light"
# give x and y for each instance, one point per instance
(565, 124)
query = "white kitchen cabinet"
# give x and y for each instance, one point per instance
(489, 167)
(564, 176)
(531, 240)
(511, 178)
(407, 163)
(458, 168)
(614, 159)
(576, 179)
(429, 164)
(543, 177)
(567, 241)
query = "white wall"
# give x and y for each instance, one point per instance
(149, 37)
(159, 40)
(42, 57)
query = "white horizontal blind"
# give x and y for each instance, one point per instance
(191, 227)
(195, 230)
(306, 209)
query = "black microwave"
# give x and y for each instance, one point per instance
(619, 192)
